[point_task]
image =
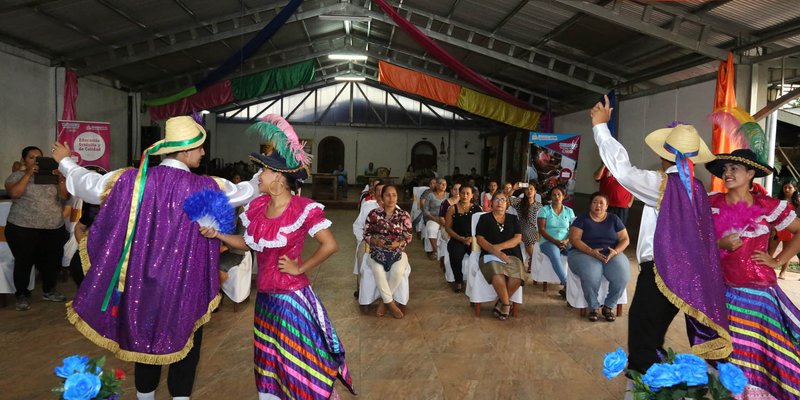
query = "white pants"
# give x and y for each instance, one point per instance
(387, 286)
(431, 229)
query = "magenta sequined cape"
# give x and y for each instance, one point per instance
(172, 279)
(688, 270)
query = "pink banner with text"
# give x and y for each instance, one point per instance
(89, 141)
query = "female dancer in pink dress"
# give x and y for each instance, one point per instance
(296, 350)
(763, 322)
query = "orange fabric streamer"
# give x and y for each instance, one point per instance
(724, 96)
(418, 83)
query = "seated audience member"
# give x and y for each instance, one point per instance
(553, 221)
(370, 170)
(455, 191)
(387, 231)
(430, 212)
(341, 180)
(486, 197)
(598, 239)
(458, 224)
(498, 234)
(358, 225)
(527, 208)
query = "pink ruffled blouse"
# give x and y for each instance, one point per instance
(753, 225)
(285, 234)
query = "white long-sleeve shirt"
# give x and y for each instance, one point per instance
(645, 185)
(89, 185)
(358, 224)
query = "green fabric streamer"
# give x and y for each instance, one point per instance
(171, 99)
(273, 80)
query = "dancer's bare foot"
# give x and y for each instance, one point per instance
(395, 310)
(381, 310)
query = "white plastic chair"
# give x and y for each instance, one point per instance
(441, 250)
(7, 259)
(542, 269)
(368, 291)
(575, 293)
(478, 290)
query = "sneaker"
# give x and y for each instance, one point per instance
(54, 296)
(23, 304)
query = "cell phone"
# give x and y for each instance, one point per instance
(45, 174)
(523, 184)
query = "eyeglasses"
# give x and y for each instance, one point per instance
(500, 200)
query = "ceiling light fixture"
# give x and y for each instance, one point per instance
(347, 56)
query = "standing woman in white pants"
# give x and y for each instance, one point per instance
(388, 231)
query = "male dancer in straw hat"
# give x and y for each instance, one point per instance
(677, 254)
(154, 280)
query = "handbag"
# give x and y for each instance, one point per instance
(240, 277)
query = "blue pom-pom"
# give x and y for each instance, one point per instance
(210, 208)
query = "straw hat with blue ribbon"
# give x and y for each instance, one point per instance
(682, 145)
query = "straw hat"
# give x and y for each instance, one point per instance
(183, 133)
(684, 138)
(745, 157)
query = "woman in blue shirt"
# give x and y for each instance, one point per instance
(554, 220)
(598, 240)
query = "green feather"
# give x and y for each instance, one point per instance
(275, 137)
(756, 138)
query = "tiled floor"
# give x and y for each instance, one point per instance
(440, 350)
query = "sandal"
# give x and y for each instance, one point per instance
(593, 316)
(504, 315)
(497, 311)
(608, 314)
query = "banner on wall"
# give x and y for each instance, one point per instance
(89, 141)
(552, 161)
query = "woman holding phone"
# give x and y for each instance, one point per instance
(35, 229)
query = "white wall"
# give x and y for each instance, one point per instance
(637, 118)
(28, 101)
(27, 108)
(389, 148)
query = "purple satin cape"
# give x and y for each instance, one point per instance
(688, 269)
(172, 280)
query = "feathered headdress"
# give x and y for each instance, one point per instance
(742, 130)
(286, 151)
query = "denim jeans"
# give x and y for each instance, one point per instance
(591, 272)
(554, 254)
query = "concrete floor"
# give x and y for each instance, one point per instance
(440, 350)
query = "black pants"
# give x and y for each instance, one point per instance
(456, 250)
(42, 247)
(650, 316)
(622, 213)
(181, 374)
(76, 268)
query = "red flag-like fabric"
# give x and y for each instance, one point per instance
(724, 96)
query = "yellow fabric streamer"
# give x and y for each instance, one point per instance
(498, 110)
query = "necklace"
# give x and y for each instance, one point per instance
(501, 226)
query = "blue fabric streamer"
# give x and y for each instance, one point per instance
(250, 47)
(210, 208)
(685, 167)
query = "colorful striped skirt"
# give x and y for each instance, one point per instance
(765, 328)
(297, 352)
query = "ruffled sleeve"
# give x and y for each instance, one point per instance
(780, 214)
(315, 220)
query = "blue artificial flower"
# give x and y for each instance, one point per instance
(211, 208)
(72, 365)
(691, 369)
(82, 386)
(661, 376)
(614, 363)
(732, 377)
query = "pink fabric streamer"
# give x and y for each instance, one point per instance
(210, 97)
(70, 95)
(445, 57)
